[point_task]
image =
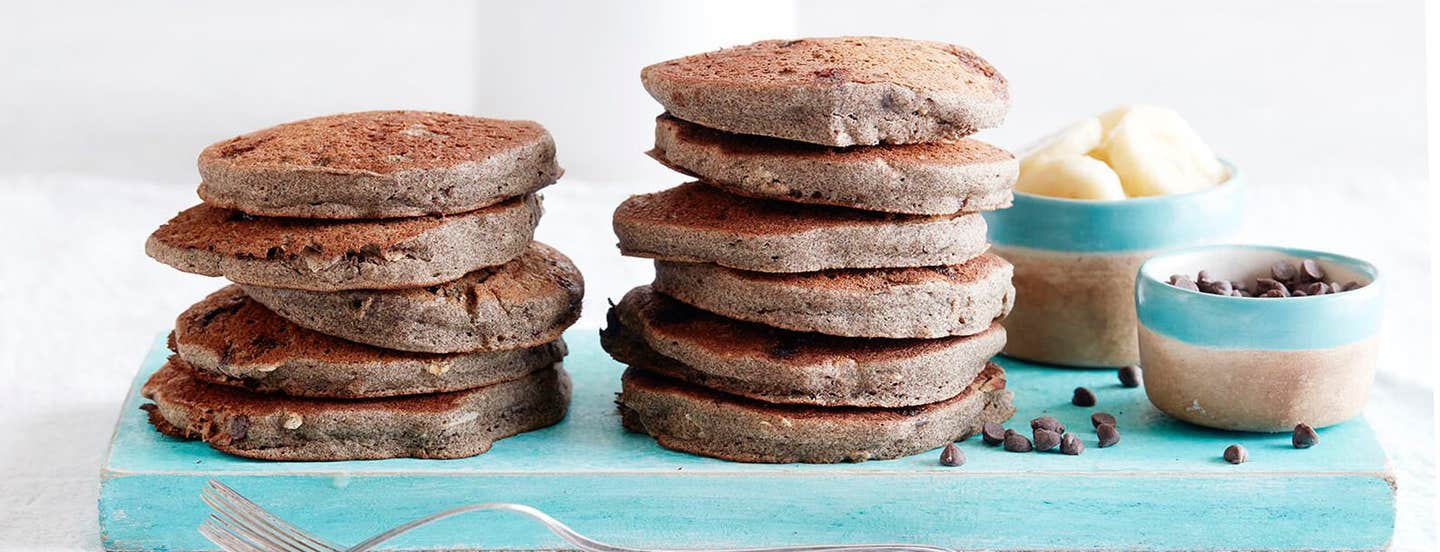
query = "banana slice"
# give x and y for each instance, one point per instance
(1155, 152)
(1073, 176)
(1076, 139)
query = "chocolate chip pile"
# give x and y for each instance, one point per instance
(1286, 280)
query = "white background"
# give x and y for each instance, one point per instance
(104, 105)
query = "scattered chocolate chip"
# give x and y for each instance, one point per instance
(1046, 439)
(1236, 454)
(1130, 376)
(1101, 418)
(1015, 442)
(238, 427)
(1108, 434)
(1083, 397)
(1071, 445)
(1047, 422)
(992, 433)
(1283, 271)
(1183, 281)
(1304, 436)
(1310, 271)
(952, 456)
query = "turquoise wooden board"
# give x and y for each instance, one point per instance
(1164, 487)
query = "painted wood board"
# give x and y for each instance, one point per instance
(1164, 487)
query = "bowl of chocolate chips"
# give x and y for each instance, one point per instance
(1258, 338)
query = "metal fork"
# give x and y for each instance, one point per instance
(239, 525)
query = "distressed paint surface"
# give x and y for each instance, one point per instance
(1164, 487)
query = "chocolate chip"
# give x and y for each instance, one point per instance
(1352, 285)
(1071, 445)
(1236, 454)
(1047, 422)
(1130, 376)
(1304, 436)
(1317, 288)
(237, 427)
(1083, 397)
(1101, 418)
(1275, 293)
(1108, 434)
(992, 433)
(1202, 278)
(952, 456)
(1046, 439)
(1183, 281)
(1299, 293)
(1015, 442)
(1266, 284)
(1221, 287)
(1310, 271)
(1283, 271)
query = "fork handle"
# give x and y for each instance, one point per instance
(590, 545)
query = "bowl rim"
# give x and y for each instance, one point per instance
(1360, 265)
(1232, 180)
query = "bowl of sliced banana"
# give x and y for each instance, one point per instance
(1093, 202)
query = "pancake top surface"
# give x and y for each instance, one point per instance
(955, 152)
(879, 279)
(991, 378)
(380, 142)
(661, 317)
(698, 206)
(175, 384)
(230, 232)
(831, 62)
(242, 331)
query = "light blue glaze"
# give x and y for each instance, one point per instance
(1278, 324)
(1163, 488)
(1123, 225)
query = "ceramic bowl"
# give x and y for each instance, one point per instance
(1075, 263)
(1257, 364)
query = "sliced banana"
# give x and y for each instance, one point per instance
(1155, 152)
(1073, 176)
(1076, 139)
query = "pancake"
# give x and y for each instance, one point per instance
(772, 365)
(696, 420)
(925, 302)
(927, 179)
(524, 303)
(276, 427)
(699, 223)
(378, 164)
(230, 339)
(324, 255)
(841, 91)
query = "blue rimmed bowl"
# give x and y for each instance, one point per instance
(1257, 364)
(1075, 263)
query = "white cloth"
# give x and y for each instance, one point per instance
(80, 303)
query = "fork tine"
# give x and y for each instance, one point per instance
(224, 539)
(280, 528)
(244, 528)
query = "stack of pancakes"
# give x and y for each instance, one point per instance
(389, 299)
(823, 293)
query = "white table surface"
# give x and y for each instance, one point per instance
(80, 303)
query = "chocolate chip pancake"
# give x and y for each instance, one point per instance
(699, 223)
(378, 164)
(276, 427)
(524, 303)
(697, 420)
(767, 364)
(230, 339)
(928, 179)
(926, 302)
(322, 255)
(841, 91)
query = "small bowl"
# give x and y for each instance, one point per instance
(1075, 263)
(1257, 364)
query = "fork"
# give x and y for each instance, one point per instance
(240, 525)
